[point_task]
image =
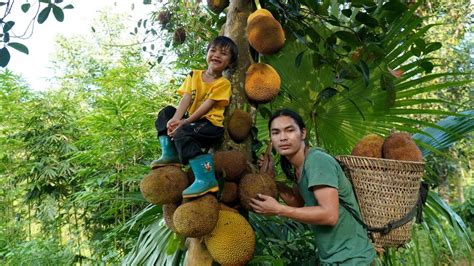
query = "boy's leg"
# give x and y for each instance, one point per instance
(162, 119)
(169, 155)
(189, 139)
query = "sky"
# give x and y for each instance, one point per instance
(34, 66)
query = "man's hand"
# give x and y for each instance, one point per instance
(264, 204)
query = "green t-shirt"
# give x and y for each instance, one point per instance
(347, 242)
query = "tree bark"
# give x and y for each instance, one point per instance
(236, 29)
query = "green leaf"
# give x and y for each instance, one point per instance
(4, 57)
(6, 37)
(147, 2)
(58, 13)
(427, 66)
(394, 6)
(25, 7)
(68, 7)
(45, 1)
(432, 47)
(366, 19)
(19, 47)
(348, 37)
(347, 12)
(362, 3)
(457, 127)
(325, 95)
(43, 15)
(364, 69)
(298, 59)
(8, 25)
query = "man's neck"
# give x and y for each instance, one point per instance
(297, 159)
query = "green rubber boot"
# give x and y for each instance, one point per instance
(204, 176)
(169, 155)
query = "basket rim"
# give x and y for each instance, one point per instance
(379, 159)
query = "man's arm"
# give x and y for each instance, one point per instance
(290, 196)
(326, 213)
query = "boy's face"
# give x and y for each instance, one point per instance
(218, 58)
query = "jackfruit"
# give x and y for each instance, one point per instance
(369, 146)
(265, 35)
(259, 12)
(230, 164)
(400, 146)
(262, 83)
(224, 207)
(230, 192)
(197, 254)
(217, 6)
(164, 185)
(252, 184)
(168, 211)
(179, 36)
(198, 217)
(232, 242)
(240, 123)
(164, 17)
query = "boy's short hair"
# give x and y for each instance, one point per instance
(223, 41)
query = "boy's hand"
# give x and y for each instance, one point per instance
(175, 126)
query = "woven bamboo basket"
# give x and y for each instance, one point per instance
(386, 190)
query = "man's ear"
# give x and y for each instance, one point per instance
(303, 134)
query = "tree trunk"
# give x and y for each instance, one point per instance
(235, 28)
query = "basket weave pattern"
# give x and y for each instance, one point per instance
(386, 190)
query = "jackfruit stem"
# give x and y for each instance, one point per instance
(257, 4)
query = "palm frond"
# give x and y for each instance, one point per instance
(456, 128)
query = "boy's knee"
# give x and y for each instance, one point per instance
(167, 111)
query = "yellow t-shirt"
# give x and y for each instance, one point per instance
(219, 90)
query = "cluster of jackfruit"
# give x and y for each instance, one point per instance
(266, 36)
(213, 224)
(398, 146)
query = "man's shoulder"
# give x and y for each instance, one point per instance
(320, 154)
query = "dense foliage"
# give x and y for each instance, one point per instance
(72, 155)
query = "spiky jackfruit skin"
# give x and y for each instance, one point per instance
(240, 123)
(168, 211)
(252, 184)
(198, 217)
(164, 17)
(400, 146)
(265, 35)
(217, 6)
(230, 192)
(179, 36)
(197, 254)
(232, 242)
(369, 146)
(164, 185)
(230, 164)
(259, 12)
(262, 83)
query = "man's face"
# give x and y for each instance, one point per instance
(287, 138)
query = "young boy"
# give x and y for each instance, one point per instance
(205, 94)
